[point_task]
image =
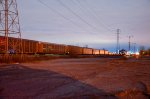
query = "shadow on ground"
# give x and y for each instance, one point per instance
(19, 82)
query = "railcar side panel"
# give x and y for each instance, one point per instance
(95, 52)
(87, 51)
(75, 50)
(102, 52)
(106, 52)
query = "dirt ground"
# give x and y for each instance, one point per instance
(76, 78)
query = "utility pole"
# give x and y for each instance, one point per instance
(9, 27)
(130, 42)
(118, 45)
(134, 47)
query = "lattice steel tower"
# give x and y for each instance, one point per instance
(118, 45)
(9, 27)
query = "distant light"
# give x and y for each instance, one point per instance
(137, 53)
(129, 53)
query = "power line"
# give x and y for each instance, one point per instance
(66, 18)
(96, 16)
(81, 8)
(65, 6)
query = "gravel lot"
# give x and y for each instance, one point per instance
(76, 78)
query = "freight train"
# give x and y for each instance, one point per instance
(38, 47)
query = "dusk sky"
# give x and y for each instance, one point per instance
(86, 22)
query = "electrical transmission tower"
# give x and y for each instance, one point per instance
(118, 45)
(9, 27)
(134, 47)
(130, 42)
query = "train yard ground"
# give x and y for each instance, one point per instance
(77, 78)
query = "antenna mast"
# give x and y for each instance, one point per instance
(9, 27)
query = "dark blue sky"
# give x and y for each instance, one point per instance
(86, 22)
